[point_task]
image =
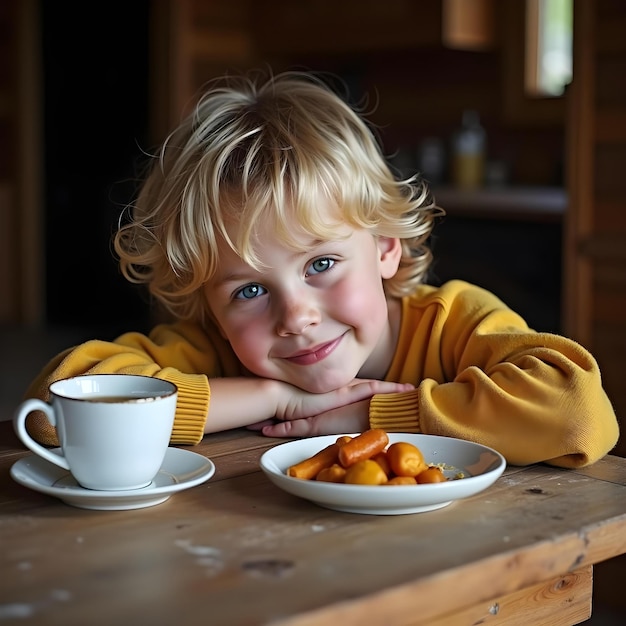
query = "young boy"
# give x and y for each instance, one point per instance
(294, 264)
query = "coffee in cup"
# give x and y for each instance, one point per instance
(114, 429)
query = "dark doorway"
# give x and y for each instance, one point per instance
(96, 62)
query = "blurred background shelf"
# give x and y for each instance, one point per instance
(522, 203)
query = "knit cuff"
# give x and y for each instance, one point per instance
(192, 406)
(395, 412)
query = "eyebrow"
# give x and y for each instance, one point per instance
(236, 276)
(232, 277)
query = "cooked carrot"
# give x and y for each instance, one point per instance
(310, 468)
(381, 459)
(333, 474)
(405, 459)
(431, 475)
(364, 446)
(402, 480)
(366, 472)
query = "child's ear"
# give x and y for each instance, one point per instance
(390, 250)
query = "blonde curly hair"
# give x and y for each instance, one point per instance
(257, 149)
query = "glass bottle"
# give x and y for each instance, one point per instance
(468, 152)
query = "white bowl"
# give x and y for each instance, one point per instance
(481, 467)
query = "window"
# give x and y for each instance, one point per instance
(548, 47)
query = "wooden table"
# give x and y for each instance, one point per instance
(237, 550)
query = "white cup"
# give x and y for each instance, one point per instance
(114, 429)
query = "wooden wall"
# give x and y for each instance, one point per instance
(21, 284)
(392, 52)
(595, 289)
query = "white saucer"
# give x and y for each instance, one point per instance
(181, 469)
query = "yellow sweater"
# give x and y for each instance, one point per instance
(480, 374)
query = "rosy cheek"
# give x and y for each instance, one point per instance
(245, 351)
(248, 339)
(358, 300)
(240, 333)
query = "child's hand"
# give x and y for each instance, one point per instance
(353, 418)
(344, 410)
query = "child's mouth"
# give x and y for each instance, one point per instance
(319, 353)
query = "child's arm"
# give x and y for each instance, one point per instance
(207, 374)
(485, 376)
(250, 401)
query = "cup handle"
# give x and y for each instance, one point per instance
(19, 423)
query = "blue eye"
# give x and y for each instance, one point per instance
(320, 265)
(250, 292)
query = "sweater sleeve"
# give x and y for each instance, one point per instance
(482, 375)
(181, 353)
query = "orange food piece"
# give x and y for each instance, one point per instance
(366, 472)
(405, 459)
(402, 480)
(333, 474)
(368, 459)
(363, 446)
(431, 475)
(311, 467)
(381, 459)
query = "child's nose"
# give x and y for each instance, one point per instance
(296, 316)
